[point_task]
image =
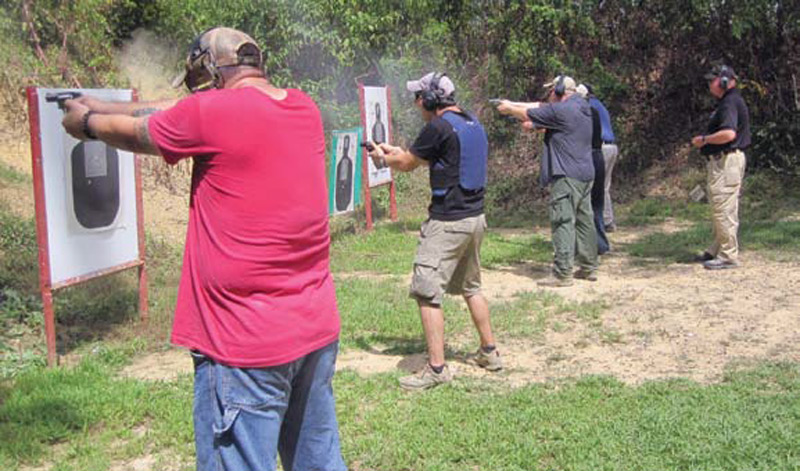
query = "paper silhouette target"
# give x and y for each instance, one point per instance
(377, 115)
(345, 172)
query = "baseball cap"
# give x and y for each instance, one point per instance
(720, 70)
(217, 47)
(569, 83)
(445, 85)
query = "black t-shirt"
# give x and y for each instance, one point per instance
(438, 144)
(731, 113)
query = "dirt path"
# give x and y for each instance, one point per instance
(667, 321)
(670, 321)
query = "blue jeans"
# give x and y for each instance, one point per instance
(243, 417)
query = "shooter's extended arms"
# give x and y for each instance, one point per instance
(368, 145)
(61, 97)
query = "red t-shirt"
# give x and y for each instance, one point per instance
(256, 288)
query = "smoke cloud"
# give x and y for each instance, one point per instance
(150, 63)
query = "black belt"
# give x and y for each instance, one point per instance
(721, 154)
(608, 142)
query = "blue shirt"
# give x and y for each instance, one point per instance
(605, 120)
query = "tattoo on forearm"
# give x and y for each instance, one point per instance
(143, 136)
(144, 112)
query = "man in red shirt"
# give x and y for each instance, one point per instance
(256, 302)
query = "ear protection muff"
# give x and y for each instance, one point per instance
(561, 88)
(203, 70)
(432, 97)
(724, 77)
(201, 67)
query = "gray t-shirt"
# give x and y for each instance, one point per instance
(568, 140)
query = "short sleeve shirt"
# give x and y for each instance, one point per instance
(438, 144)
(256, 288)
(568, 140)
(731, 113)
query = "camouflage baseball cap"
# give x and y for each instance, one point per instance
(215, 48)
(569, 83)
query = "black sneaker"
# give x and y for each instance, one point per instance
(704, 257)
(719, 264)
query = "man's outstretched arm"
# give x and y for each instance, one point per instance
(129, 108)
(124, 132)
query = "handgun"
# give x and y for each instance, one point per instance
(61, 97)
(368, 145)
(495, 101)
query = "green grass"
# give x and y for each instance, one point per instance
(595, 423)
(89, 415)
(657, 210)
(390, 248)
(682, 246)
(10, 174)
(378, 312)
(501, 250)
(749, 421)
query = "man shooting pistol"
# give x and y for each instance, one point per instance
(454, 145)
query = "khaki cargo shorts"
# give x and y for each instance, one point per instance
(448, 259)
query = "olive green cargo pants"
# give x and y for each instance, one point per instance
(572, 226)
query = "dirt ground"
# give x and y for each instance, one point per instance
(665, 321)
(661, 321)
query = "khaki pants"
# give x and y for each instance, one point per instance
(725, 173)
(448, 259)
(610, 153)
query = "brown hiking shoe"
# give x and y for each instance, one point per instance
(426, 379)
(585, 275)
(555, 282)
(489, 361)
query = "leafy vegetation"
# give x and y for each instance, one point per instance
(645, 60)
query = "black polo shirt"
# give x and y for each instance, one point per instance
(731, 113)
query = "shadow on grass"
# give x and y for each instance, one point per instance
(393, 345)
(499, 251)
(682, 246)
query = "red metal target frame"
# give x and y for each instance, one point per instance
(46, 286)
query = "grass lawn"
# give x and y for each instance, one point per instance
(87, 417)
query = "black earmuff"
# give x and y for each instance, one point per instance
(561, 87)
(432, 97)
